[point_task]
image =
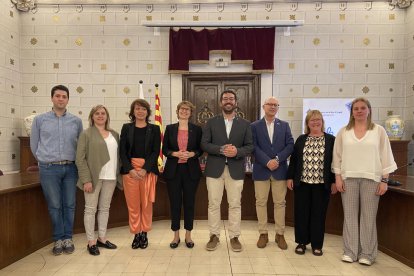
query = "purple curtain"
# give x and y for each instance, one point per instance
(255, 44)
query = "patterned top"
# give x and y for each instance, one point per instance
(313, 153)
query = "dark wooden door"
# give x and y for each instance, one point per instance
(204, 91)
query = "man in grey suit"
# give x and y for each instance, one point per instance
(227, 139)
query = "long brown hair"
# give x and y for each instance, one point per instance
(351, 123)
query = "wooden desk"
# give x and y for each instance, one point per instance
(25, 224)
(399, 150)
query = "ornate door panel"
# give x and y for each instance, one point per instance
(204, 91)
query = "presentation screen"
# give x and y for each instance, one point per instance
(335, 112)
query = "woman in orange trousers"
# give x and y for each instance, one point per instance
(139, 150)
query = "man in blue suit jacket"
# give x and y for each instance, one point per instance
(273, 144)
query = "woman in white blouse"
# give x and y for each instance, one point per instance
(362, 160)
(97, 161)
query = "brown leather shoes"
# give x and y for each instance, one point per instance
(263, 240)
(236, 245)
(280, 240)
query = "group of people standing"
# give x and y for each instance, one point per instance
(356, 163)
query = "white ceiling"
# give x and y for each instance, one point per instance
(143, 2)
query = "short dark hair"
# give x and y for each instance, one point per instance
(59, 87)
(227, 91)
(140, 102)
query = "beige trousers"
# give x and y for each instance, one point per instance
(99, 200)
(279, 189)
(234, 188)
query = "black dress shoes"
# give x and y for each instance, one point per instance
(93, 250)
(144, 241)
(107, 244)
(174, 245)
(137, 241)
(189, 244)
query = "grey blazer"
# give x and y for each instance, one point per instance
(215, 136)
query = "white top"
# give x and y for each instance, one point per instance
(108, 171)
(229, 124)
(369, 157)
(270, 128)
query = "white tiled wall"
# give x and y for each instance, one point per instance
(102, 56)
(10, 87)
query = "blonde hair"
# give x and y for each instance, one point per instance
(351, 123)
(186, 103)
(93, 110)
(309, 115)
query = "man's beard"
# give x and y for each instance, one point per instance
(229, 111)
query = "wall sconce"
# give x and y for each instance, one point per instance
(24, 5)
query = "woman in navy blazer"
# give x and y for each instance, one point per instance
(182, 171)
(311, 179)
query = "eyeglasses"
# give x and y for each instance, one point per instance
(272, 105)
(229, 99)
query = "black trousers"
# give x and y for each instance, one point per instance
(181, 191)
(311, 204)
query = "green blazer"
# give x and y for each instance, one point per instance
(91, 155)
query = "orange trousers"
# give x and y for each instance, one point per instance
(139, 195)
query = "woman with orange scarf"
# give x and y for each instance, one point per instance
(139, 150)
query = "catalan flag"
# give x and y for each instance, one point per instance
(158, 122)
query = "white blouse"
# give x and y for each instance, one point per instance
(108, 171)
(369, 157)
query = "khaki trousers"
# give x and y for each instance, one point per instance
(279, 189)
(99, 200)
(234, 188)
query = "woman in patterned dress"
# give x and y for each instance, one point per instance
(311, 179)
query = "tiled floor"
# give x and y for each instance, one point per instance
(159, 259)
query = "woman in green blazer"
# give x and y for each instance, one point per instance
(98, 167)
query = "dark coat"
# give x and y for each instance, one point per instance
(152, 148)
(170, 145)
(296, 161)
(215, 136)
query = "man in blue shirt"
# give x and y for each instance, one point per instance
(53, 142)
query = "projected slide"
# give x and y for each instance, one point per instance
(335, 112)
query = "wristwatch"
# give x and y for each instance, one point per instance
(385, 180)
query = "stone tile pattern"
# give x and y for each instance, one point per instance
(101, 56)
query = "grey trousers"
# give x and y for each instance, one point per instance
(99, 199)
(360, 237)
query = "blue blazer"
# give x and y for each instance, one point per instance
(264, 150)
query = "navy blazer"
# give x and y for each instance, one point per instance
(264, 150)
(170, 145)
(152, 147)
(215, 136)
(296, 161)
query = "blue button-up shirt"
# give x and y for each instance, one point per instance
(55, 138)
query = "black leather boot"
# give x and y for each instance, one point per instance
(144, 240)
(137, 241)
